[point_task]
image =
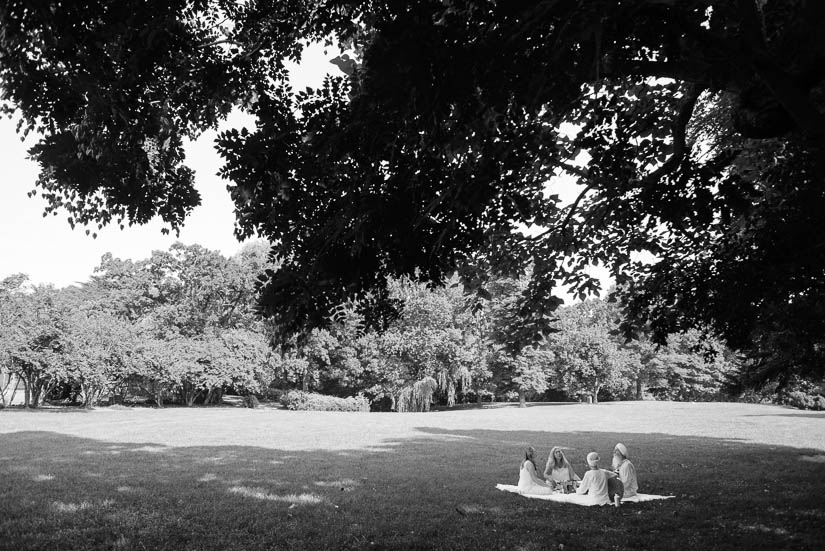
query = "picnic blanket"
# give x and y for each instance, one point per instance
(577, 499)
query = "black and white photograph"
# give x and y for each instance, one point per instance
(515, 275)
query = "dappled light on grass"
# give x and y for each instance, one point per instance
(43, 477)
(764, 529)
(151, 449)
(60, 507)
(117, 450)
(213, 459)
(292, 499)
(813, 458)
(472, 509)
(345, 484)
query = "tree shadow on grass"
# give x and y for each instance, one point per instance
(500, 405)
(46, 410)
(432, 491)
(812, 415)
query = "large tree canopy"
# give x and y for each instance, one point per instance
(702, 121)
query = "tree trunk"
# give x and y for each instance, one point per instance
(639, 388)
(522, 399)
(4, 387)
(36, 392)
(189, 393)
(86, 393)
(27, 393)
(212, 396)
(14, 390)
(596, 388)
(157, 393)
(479, 397)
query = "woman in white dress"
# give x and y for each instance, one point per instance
(528, 478)
(559, 472)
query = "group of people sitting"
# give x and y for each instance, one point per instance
(602, 485)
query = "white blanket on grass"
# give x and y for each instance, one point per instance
(577, 499)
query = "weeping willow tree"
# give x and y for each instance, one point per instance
(416, 396)
(425, 350)
(426, 362)
(454, 368)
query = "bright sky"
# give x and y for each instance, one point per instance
(49, 251)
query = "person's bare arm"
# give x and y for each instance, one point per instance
(531, 469)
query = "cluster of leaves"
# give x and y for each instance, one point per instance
(31, 327)
(592, 357)
(179, 322)
(115, 88)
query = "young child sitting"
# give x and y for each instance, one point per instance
(595, 482)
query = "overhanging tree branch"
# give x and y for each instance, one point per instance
(679, 134)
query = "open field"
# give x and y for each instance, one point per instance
(745, 477)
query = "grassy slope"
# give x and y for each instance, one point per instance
(274, 479)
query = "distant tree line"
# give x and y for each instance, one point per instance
(182, 326)
(441, 350)
(178, 325)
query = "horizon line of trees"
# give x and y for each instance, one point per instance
(182, 325)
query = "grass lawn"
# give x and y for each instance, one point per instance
(745, 477)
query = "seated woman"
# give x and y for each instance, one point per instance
(559, 473)
(626, 471)
(528, 481)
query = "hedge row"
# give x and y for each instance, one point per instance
(309, 401)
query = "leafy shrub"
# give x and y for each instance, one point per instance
(250, 401)
(309, 401)
(803, 394)
(803, 400)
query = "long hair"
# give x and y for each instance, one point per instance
(529, 454)
(553, 463)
